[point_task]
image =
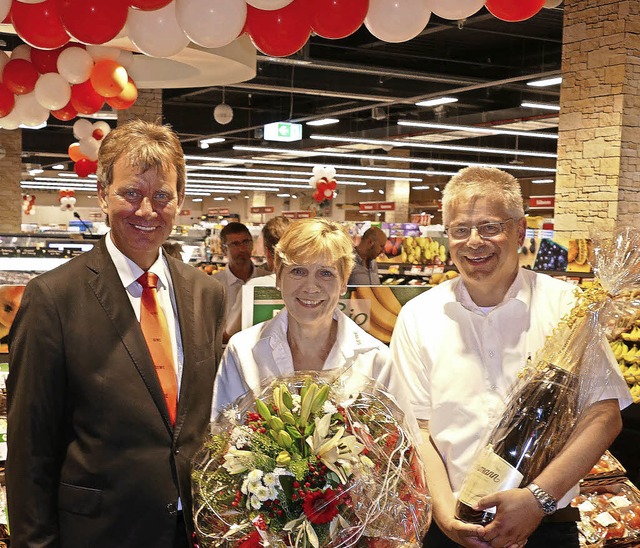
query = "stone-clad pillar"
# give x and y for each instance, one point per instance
(148, 107)
(398, 191)
(10, 175)
(598, 179)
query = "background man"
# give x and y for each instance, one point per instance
(237, 244)
(271, 234)
(365, 271)
(104, 416)
(457, 350)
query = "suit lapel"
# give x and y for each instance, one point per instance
(112, 296)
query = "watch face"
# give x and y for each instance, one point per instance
(549, 506)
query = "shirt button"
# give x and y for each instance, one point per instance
(176, 451)
(494, 388)
(491, 353)
(172, 509)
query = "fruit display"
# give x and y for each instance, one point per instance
(626, 349)
(607, 466)
(609, 513)
(439, 277)
(423, 250)
(551, 256)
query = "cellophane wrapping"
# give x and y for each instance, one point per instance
(311, 460)
(569, 372)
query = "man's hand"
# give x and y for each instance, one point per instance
(518, 514)
(465, 534)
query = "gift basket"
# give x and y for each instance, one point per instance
(568, 374)
(310, 460)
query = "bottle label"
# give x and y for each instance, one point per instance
(490, 474)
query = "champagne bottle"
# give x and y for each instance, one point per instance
(521, 445)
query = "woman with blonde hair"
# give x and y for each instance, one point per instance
(313, 261)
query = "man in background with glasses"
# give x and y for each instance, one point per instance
(457, 351)
(237, 244)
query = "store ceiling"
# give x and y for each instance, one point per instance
(369, 86)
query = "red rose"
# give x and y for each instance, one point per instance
(321, 507)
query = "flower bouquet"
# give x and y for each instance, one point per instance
(310, 462)
(571, 371)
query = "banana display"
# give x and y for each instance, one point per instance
(626, 349)
(385, 308)
(422, 250)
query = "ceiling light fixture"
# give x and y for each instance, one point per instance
(196, 199)
(436, 102)
(365, 190)
(476, 129)
(420, 187)
(545, 82)
(323, 122)
(285, 195)
(412, 160)
(71, 175)
(542, 181)
(58, 166)
(543, 106)
(204, 143)
(413, 144)
(218, 198)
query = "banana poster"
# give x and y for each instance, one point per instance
(374, 308)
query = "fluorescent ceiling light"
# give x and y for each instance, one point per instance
(380, 191)
(545, 82)
(65, 174)
(285, 195)
(323, 122)
(416, 160)
(544, 106)
(60, 183)
(542, 181)
(58, 166)
(219, 198)
(436, 102)
(420, 187)
(222, 185)
(204, 143)
(365, 190)
(196, 199)
(241, 182)
(101, 115)
(477, 129)
(413, 144)
(36, 171)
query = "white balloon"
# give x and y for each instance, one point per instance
(125, 58)
(89, 147)
(455, 9)
(4, 59)
(552, 3)
(31, 1)
(52, 91)
(74, 65)
(223, 113)
(211, 24)
(103, 52)
(29, 111)
(331, 172)
(269, 5)
(313, 181)
(102, 126)
(317, 170)
(23, 51)
(10, 121)
(157, 33)
(397, 20)
(82, 128)
(5, 6)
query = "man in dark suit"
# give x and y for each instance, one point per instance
(98, 455)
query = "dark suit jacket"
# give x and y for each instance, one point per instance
(93, 459)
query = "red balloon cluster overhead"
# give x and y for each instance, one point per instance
(85, 152)
(162, 28)
(63, 82)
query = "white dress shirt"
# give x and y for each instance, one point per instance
(455, 364)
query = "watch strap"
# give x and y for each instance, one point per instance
(545, 500)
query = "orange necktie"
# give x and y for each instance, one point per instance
(156, 332)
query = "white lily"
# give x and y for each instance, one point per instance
(235, 460)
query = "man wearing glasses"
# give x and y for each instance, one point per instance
(237, 244)
(456, 352)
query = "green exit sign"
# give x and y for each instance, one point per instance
(283, 131)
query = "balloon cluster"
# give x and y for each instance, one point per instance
(62, 82)
(162, 28)
(85, 152)
(28, 204)
(67, 199)
(323, 180)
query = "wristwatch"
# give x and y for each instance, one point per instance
(548, 504)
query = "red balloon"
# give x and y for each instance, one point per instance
(83, 167)
(508, 10)
(66, 113)
(7, 100)
(39, 25)
(126, 98)
(47, 60)
(148, 5)
(85, 99)
(20, 76)
(7, 19)
(93, 21)
(282, 32)
(331, 185)
(337, 18)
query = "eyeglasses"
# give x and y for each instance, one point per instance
(485, 230)
(242, 243)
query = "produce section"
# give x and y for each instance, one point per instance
(626, 349)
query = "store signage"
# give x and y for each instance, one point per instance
(542, 202)
(262, 209)
(377, 206)
(297, 214)
(185, 212)
(218, 211)
(283, 131)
